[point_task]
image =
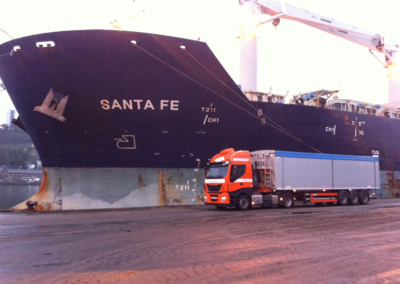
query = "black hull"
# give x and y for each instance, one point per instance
(155, 105)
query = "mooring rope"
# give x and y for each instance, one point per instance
(180, 72)
(281, 128)
(239, 95)
(6, 54)
(276, 126)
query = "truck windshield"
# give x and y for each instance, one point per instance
(217, 171)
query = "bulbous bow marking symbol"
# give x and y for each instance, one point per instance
(126, 142)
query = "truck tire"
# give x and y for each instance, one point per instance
(343, 198)
(353, 198)
(288, 200)
(364, 197)
(243, 202)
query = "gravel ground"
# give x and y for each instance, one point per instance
(200, 244)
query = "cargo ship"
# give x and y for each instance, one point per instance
(129, 119)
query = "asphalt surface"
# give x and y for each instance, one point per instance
(200, 244)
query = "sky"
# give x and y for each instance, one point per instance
(292, 57)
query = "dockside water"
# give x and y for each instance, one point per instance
(13, 194)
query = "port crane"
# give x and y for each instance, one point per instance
(253, 9)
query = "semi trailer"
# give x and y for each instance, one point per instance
(243, 179)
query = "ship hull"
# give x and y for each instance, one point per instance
(107, 109)
(100, 188)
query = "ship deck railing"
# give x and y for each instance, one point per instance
(363, 108)
(334, 104)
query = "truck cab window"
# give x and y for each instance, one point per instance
(217, 171)
(237, 171)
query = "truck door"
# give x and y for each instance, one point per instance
(239, 178)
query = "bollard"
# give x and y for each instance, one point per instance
(31, 204)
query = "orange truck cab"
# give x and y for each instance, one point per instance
(229, 180)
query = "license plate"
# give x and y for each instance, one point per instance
(213, 198)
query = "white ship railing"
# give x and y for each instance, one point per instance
(333, 103)
(364, 108)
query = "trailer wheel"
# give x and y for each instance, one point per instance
(288, 200)
(364, 197)
(343, 198)
(353, 198)
(243, 202)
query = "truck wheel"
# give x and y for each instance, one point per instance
(343, 198)
(353, 198)
(243, 202)
(287, 200)
(220, 207)
(364, 197)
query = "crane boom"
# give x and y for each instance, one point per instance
(251, 9)
(372, 41)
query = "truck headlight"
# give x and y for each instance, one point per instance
(223, 198)
(205, 198)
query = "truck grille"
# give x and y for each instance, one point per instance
(214, 187)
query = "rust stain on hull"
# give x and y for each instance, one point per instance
(161, 190)
(42, 194)
(172, 195)
(140, 182)
(168, 193)
(58, 197)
